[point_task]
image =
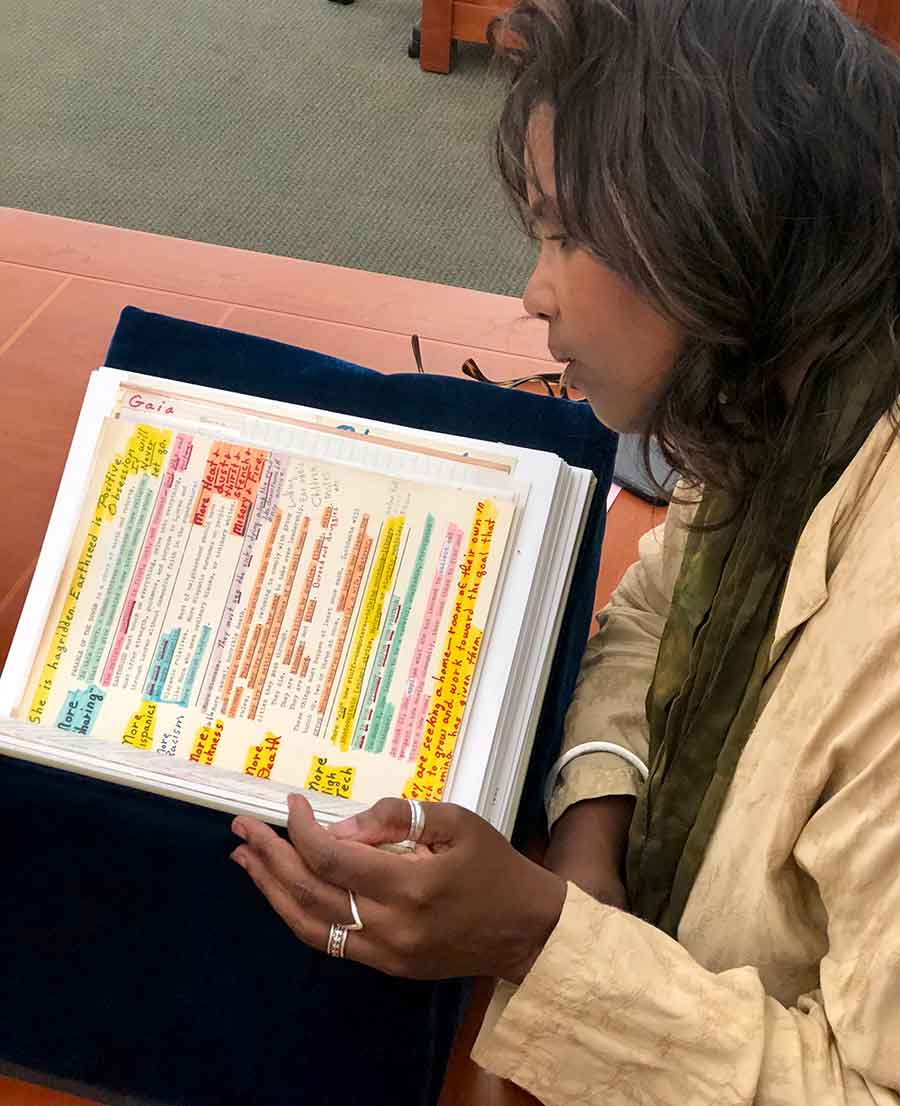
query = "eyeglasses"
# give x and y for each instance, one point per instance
(553, 383)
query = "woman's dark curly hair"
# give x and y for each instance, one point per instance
(738, 162)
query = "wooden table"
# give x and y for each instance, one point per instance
(62, 286)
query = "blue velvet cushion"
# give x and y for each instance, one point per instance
(137, 957)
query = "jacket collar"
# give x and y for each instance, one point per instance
(824, 537)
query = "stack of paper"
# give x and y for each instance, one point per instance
(238, 598)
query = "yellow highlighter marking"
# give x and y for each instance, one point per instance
(457, 666)
(366, 631)
(139, 731)
(260, 759)
(206, 742)
(330, 779)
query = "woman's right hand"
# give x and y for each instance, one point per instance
(587, 847)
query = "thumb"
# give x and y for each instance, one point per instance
(387, 822)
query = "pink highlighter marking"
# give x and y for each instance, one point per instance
(415, 699)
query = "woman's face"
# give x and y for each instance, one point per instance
(619, 350)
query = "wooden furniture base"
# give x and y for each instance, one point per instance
(447, 21)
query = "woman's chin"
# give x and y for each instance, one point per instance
(618, 417)
(611, 418)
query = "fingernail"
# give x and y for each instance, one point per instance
(237, 828)
(239, 858)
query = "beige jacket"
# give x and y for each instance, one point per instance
(784, 984)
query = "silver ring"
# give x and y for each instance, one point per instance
(337, 938)
(354, 910)
(417, 820)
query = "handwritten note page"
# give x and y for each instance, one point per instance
(293, 619)
(236, 416)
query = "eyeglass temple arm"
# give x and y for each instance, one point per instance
(470, 369)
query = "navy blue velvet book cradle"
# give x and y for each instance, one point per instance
(136, 957)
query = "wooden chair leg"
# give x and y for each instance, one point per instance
(437, 21)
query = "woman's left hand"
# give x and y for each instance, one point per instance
(463, 903)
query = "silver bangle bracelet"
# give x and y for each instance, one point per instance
(582, 750)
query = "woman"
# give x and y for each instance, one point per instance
(715, 187)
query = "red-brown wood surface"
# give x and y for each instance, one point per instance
(883, 16)
(13, 1092)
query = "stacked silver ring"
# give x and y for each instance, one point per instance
(354, 910)
(417, 820)
(337, 938)
(337, 935)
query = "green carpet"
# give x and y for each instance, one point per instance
(297, 128)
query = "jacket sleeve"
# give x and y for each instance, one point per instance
(615, 1012)
(616, 672)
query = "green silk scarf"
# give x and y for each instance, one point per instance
(714, 653)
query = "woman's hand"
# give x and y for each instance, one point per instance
(587, 846)
(464, 903)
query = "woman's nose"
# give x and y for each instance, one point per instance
(538, 299)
